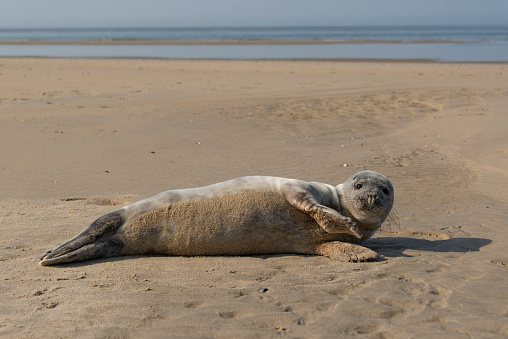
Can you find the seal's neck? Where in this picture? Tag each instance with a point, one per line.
(342, 199)
(340, 190)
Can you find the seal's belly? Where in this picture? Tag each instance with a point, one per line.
(253, 222)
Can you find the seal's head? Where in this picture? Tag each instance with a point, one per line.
(367, 197)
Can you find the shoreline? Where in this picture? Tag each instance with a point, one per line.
(267, 60)
(262, 50)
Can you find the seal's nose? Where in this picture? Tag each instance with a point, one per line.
(372, 196)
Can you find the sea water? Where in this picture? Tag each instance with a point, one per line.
(381, 33)
(441, 43)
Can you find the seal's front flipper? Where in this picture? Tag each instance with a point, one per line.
(343, 251)
(299, 195)
(103, 227)
(102, 248)
(333, 222)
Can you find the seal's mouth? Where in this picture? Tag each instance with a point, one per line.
(369, 202)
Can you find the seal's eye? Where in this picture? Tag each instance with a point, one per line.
(358, 186)
(386, 191)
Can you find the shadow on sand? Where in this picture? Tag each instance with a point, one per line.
(386, 247)
(395, 246)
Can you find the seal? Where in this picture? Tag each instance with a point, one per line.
(244, 216)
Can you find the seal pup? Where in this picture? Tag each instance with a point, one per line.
(243, 216)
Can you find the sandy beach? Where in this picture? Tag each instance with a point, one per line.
(83, 137)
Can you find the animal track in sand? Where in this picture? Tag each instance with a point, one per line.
(192, 304)
(49, 304)
(367, 329)
(432, 235)
(500, 262)
(342, 291)
(230, 314)
(101, 201)
(358, 111)
(37, 293)
(374, 310)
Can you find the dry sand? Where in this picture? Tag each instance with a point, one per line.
(79, 138)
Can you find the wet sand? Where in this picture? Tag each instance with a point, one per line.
(82, 137)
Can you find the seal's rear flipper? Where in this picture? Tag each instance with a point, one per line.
(102, 228)
(343, 251)
(102, 248)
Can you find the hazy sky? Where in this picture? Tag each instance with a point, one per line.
(178, 13)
